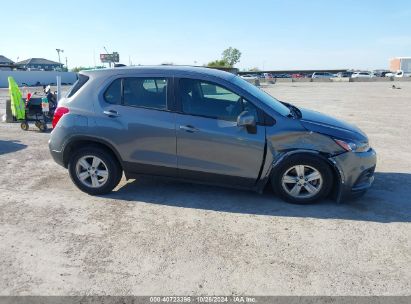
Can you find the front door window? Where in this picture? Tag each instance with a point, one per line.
(210, 100)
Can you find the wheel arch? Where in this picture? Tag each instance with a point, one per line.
(84, 141)
(337, 173)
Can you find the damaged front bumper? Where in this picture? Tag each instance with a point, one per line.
(356, 172)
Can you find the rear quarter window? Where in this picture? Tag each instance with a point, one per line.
(82, 79)
(113, 93)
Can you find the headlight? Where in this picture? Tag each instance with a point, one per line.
(353, 146)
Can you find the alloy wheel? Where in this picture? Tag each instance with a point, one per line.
(302, 181)
(91, 171)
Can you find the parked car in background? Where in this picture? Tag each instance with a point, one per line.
(297, 75)
(389, 74)
(401, 74)
(380, 73)
(321, 75)
(344, 74)
(282, 76)
(268, 75)
(249, 77)
(362, 75)
(207, 126)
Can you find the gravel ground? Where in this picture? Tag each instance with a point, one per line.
(153, 236)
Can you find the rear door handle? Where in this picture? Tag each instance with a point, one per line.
(111, 113)
(189, 128)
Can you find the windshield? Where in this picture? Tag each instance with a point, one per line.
(263, 96)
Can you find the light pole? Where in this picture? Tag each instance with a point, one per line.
(58, 53)
(66, 65)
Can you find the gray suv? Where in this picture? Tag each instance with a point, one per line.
(205, 126)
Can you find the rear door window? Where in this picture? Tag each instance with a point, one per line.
(145, 92)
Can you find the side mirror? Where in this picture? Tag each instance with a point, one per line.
(246, 119)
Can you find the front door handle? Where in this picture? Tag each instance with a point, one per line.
(189, 129)
(111, 113)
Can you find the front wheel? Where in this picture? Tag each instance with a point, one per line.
(302, 179)
(24, 126)
(94, 170)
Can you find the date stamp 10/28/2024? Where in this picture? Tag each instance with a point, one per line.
(203, 299)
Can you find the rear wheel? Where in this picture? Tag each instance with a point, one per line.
(94, 170)
(42, 126)
(302, 179)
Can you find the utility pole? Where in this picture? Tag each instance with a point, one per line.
(58, 53)
(66, 65)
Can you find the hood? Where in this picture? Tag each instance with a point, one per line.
(321, 123)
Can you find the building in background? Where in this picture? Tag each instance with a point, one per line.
(39, 64)
(5, 63)
(401, 64)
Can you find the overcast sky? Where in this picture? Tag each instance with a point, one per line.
(296, 34)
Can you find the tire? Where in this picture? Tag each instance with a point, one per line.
(315, 184)
(24, 126)
(109, 165)
(42, 126)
